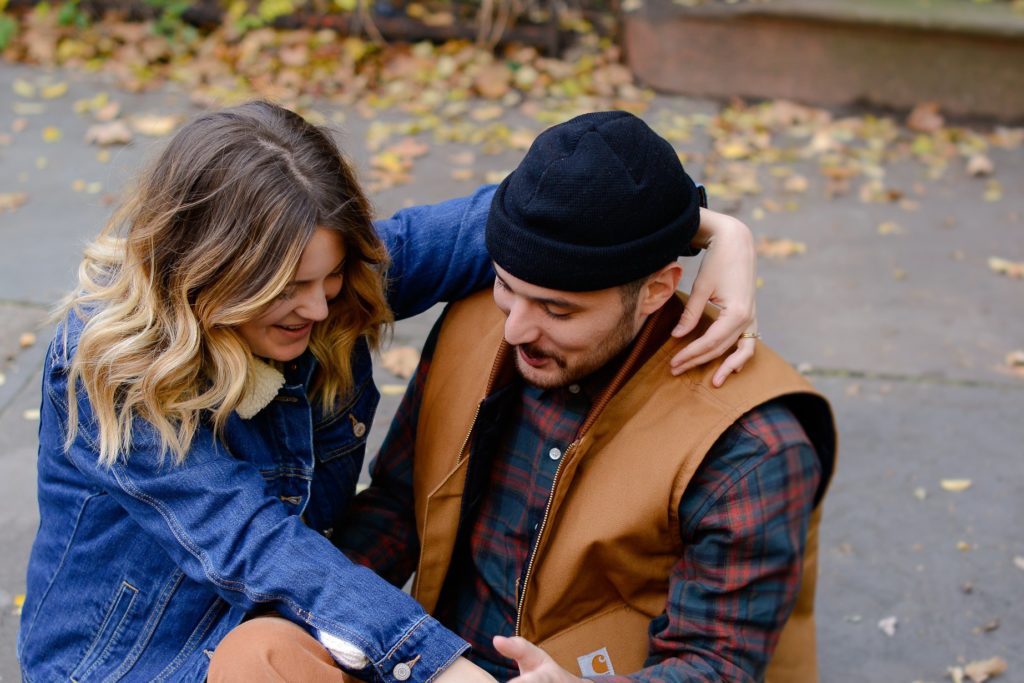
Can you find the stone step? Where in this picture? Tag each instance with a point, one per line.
(968, 57)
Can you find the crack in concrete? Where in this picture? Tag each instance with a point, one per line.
(908, 378)
(24, 303)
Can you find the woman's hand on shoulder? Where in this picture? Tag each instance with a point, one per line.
(727, 278)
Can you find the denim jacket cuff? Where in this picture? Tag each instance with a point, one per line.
(422, 654)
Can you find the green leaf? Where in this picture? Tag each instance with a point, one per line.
(8, 29)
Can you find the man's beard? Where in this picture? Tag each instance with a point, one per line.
(601, 352)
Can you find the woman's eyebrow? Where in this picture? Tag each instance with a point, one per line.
(341, 264)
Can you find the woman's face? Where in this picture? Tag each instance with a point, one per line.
(282, 331)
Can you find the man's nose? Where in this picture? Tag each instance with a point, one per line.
(520, 325)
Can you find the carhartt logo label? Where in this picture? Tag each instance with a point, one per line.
(597, 663)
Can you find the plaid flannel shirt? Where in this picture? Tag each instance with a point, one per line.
(743, 522)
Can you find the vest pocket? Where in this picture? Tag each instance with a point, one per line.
(110, 630)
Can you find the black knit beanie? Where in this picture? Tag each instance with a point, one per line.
(597, 202)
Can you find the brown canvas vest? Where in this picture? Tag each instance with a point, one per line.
(600, 569)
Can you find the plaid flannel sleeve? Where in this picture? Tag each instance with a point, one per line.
(379, 528)
(744, 523)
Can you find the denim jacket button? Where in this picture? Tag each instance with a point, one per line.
(402, 671)
(359, 429)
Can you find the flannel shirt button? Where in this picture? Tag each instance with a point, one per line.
(554, 454)
(402, 671)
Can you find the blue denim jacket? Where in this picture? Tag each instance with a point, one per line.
(139, 570)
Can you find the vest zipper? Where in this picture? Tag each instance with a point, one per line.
(465, 442)
(488, 388)
(540, 532)
(602, 401)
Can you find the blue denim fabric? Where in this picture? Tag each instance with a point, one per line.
(139, 570)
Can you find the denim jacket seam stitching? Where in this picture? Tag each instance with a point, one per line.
(60, 566)
(405, 637)
(189, 646)
(182, 538)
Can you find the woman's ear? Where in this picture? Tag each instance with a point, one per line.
(659, 287)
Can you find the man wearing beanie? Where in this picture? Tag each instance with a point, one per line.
(547, 477)
(568, 506)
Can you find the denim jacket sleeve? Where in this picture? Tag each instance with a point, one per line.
(212, 517)
(437, 252)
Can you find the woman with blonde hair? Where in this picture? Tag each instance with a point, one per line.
(206, 400)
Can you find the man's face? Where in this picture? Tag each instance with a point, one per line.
(561, 337)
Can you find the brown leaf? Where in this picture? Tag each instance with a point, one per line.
(493, 81)
(9, 201)
(112, 133)
(982, 670)
(925, 118)
(795, 184)
(779, 248)
(987, 627)
(26, 340)
(401, 361)
(980, 165)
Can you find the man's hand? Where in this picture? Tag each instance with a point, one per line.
(727, 278)
(535, 666)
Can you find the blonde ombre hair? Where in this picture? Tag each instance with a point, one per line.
(210, 236)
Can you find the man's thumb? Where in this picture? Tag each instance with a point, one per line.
(528, 656)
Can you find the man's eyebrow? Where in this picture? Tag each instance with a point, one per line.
(546, 301)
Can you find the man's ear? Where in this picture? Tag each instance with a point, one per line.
(659, 287)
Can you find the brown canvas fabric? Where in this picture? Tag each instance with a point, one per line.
(601, 567)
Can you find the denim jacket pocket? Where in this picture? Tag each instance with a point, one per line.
(345, 430)
(114, 624)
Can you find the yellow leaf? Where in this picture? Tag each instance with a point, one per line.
(23, 88)
(487, 113)
(52, 134)
(889, 228)
(388, 161)
(52, 92)
(993, 191)
(955, 485)
(18, 602)
(155, 125)
(392, 389)
(462, 174)
(735, 149)
(32, 414)
(1001, 266)
(26, 340)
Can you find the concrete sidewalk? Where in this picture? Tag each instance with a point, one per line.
(906, 333)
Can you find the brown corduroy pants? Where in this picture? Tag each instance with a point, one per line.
(271, 649)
